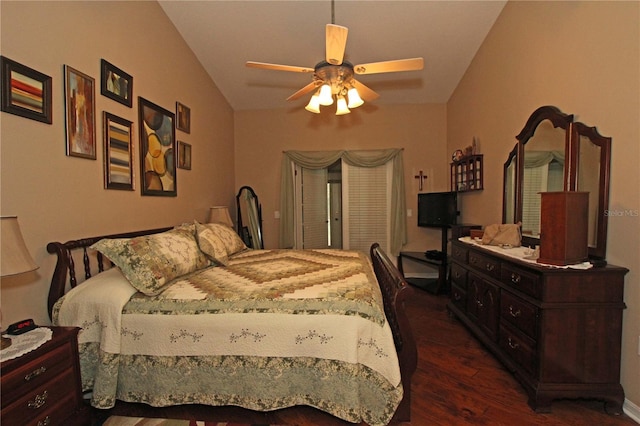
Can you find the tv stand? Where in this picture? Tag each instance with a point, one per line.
(441, 284)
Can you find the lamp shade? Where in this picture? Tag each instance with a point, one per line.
(341, 108)
(314, 104)
(15, 258)
(220, 214)
(354, 98)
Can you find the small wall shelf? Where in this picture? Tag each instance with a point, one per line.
(466, 174)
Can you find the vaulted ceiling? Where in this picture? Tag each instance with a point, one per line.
(226, 34)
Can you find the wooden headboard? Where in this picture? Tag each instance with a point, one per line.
(65, 264)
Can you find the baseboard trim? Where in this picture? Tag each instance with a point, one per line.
(631, 410)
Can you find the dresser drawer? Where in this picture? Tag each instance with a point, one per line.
(520, 314)
(50, 403)
(519, 347)
(35, 373)
(485, 264)
(459, 275)
(521, 280)
(458, 297)
(459, 253)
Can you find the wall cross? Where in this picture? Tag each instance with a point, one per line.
(422, 178)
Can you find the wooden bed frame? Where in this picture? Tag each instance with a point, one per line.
(393, 286)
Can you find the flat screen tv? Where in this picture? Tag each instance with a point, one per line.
(437, 209)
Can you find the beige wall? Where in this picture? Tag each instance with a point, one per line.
(582, 57)
(261, 136)
(61, 198)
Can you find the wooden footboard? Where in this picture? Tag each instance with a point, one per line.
(65, 265)
(394, 292)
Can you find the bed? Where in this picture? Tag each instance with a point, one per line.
(218, 324)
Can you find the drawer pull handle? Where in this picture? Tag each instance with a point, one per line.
(479, 303)
(513, 313)
(513, 345)
(38, 401)
(515, 278)
(456, 296)
(457, 274)
(35, 373)
(490, 266)
(45, 422)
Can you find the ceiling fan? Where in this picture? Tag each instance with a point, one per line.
(335, 77)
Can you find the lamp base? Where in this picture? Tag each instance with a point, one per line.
(6, 342)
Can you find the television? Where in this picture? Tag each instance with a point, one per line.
(437, 209)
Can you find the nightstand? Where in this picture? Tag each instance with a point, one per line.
(43, 387)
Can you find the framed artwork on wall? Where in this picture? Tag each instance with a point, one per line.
(115, 83)
(157, 149)
(25, 91)
(184, 117)
(80, 110)
(118, 152)
(184, 155)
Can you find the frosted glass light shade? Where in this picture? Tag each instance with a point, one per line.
(325, 95)
(314, 104)
(342, 108)
(354, 98)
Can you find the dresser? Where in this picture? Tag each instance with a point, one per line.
(43, 386)
(557, 330)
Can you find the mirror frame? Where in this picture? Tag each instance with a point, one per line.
(573, 132)
(239, 212)
(512, 158)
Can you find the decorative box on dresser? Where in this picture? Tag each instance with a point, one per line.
(42, 387)
(558, 330)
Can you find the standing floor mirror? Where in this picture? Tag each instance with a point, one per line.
(249, 218)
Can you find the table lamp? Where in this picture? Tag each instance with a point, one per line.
(14, 256)
(220, 214)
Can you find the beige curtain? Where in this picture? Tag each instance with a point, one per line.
(363, 158)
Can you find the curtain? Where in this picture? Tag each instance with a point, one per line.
(361, 158)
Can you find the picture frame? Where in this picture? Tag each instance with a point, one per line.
(183, 114)
(118, 152)
(157, 149)
(80, 107)
(115, 83)
(25, 91)
(184, 155)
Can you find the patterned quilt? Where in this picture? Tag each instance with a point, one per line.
(274, 328)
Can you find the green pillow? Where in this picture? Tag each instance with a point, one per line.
(150, 262)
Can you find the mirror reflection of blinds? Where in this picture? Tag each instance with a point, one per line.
(367, 206)
(314, 208)
(546, 178)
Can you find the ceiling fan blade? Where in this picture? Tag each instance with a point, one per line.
(336, 43)
(276, 67)
(306, 89)
(413, 64)
(364, 92)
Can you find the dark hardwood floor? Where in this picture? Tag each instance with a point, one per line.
(457, 383)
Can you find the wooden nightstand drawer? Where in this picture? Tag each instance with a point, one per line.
(36, 372)
(42, 387)
(54, 400)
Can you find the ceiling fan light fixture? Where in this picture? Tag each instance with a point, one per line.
(325, 97)
(354, 98)
(314, 104)
(341, 107)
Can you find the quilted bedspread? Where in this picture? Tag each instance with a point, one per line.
(274, 328)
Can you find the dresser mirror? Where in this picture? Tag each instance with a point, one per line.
(249, 218)
(509, 194)
(555, 154)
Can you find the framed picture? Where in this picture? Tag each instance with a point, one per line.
(115, 83)
(118, 152)
(80, 108)
(184, 155)
(157, 149)
(184, 117)
(25, 91)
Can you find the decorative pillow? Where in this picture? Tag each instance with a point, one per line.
(212, 245)
(151, 261)
(232, 241)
